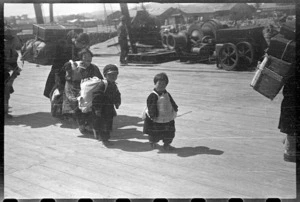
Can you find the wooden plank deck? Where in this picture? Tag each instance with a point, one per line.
(227, 141)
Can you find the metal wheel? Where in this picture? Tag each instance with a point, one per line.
(228, 56)
(245, 53)
(164, 38)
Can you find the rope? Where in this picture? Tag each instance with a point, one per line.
(288, 43)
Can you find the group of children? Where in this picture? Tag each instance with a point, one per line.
(158, 116)
(65, 80)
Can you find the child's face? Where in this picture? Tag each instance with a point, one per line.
(161, 85)
(86, 59)
(112, 76)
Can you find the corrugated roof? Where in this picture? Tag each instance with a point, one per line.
(265, 6)
(156, 11)
(88, 20)
(74, 20)
(226, 7)
(199, 8)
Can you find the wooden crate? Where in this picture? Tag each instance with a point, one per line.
(288, 30)
(267, 83)
(279, 66)
(282, 48)
(53, 32)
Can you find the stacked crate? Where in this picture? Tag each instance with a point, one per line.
(53, 32)
(277, 65)
(41, 50)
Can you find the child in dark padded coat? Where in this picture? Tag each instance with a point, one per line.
(160, 113)
(104, 103)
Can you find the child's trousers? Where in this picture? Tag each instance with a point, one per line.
(162, 131)
(102, 127)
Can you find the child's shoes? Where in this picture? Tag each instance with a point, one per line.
(168, 147)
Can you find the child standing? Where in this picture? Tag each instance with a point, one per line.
(104, 103)
(160, 113)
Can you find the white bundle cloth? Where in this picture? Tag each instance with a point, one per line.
(88, 88)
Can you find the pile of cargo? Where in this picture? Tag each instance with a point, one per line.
(197, 43)
(41, 50)
(278, 64)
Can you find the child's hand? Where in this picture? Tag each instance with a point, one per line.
(117, 105)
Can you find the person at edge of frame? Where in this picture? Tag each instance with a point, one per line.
(289, 122)
(11, 69)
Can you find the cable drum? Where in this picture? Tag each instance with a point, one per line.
(177, 40)
(195, 32)
(210, 27)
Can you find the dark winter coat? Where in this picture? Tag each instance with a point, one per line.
(72, 87)
(64, 53)
(105, 103)
(289, 122)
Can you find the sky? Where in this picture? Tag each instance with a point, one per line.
(13, 9)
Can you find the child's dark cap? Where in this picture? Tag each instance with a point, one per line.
(110, 69)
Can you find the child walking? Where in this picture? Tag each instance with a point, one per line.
(104, 103)
(160, 113)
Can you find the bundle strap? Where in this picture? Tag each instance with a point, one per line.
(286, 46)
(106, 84)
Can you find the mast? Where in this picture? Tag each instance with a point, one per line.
(38, 13)
(125, 13)
(51, 12)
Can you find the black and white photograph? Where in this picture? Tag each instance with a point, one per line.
(150, 100)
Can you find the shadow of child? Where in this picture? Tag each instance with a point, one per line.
(192, 151)
(131, 146)
(34, 120)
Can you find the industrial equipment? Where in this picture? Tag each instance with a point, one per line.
(233, 48)
(240, 47)
(197, 43)
(144, 33)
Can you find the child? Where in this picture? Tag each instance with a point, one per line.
(11, 68)
(104, 103)
(161, 111)
(71, 87)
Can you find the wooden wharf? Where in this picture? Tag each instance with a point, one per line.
(228, 144)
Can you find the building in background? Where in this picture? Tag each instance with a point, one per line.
(84, 22)
(275, 9)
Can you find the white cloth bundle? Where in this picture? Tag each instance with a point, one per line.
(88, 88)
